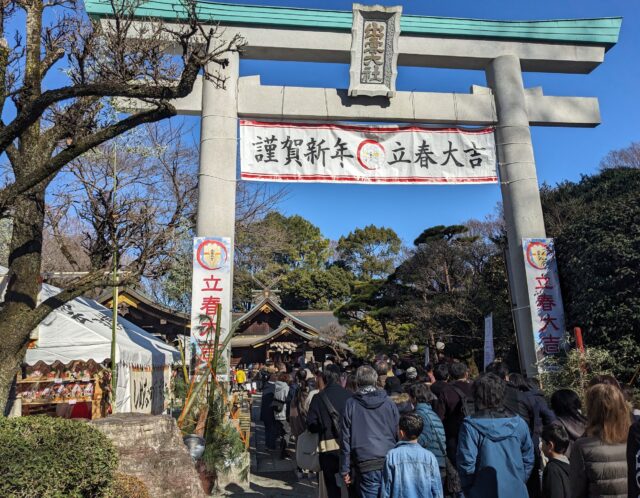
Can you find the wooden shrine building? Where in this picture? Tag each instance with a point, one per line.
(153, 317)
(269, 333)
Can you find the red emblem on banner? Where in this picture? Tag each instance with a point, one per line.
(211, 255)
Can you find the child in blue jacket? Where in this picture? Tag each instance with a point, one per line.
(410, 471)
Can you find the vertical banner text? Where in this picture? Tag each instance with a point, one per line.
(211, 287)
(545, 299)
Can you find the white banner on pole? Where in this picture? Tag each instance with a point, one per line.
(326, 152)
(211, 286)
(489, 354)
(545, 299)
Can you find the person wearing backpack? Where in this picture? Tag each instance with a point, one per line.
(456, 402)
(323, 418)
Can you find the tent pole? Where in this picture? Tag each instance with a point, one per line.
(114, 301)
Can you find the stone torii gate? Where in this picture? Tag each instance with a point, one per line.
(503, 49)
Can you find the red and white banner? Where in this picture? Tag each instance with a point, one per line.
(211, 287)
(325, 152)
(545, 299)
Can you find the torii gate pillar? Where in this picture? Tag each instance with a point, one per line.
(218, 150)
(520, 193)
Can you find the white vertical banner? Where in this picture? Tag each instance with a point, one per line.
(211, 287)
(545, 299)
(489, 354)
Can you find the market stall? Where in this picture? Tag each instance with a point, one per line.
(67, 366)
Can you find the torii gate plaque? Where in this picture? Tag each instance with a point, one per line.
(503, 49)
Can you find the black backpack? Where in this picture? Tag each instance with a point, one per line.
(466, 403)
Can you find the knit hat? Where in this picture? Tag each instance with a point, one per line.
(411, 373)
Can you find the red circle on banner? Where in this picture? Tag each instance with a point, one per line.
(371, 145)
(538, 255)
(211, 254)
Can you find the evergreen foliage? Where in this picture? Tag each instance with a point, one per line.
(46, 457)
(575, 369)
(369, 252)
(596, 224)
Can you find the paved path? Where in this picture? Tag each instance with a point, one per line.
(270, 476)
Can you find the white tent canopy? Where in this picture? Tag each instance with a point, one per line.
(81, 330)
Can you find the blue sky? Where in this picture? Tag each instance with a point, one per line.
(561, 153)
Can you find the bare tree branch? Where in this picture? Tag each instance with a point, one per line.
(8, 194)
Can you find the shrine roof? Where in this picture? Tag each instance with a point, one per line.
(258, 340)
(267, 301)
(317, 319)
(284, 328)
(136, 298)
(597, 31)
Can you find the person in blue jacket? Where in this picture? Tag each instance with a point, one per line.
(410, 471)
(495, 453)
(432, 437)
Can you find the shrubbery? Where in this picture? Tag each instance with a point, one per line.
(574, 370)
(44, 457)
(128, 486)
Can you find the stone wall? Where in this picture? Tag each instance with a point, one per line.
(150, 447)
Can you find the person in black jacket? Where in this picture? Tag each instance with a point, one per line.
(555, 478)
(441, 374)
(567, 406)
(266, 413)
(453, 407)
(540, 415)
(547, 416)
(633, 461)
(319, 421)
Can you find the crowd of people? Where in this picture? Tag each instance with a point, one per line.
(390, 429)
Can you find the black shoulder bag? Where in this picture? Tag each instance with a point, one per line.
(333, 413)
(452, 484)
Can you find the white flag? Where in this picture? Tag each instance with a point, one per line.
(489, 354)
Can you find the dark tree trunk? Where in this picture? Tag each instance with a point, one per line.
(21, 296)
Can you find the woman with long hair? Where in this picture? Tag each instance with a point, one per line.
(598, 460)
(351, 383)
(298, 410)
(567, 406)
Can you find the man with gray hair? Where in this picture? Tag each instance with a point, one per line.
(369, 431)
